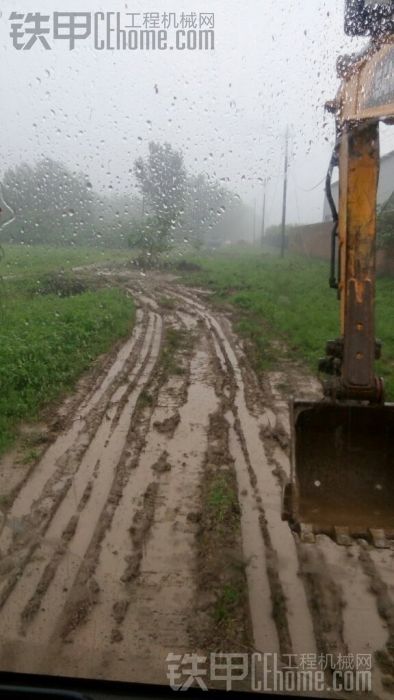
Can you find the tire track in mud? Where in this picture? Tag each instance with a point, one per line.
(85, 495)
(348, 587)
(342, 604)
(70, 444)
(161, 596)
(265, 638)
(341, 611)
(146, 566)
(288, 599)
(363, 631)
(109, 556)
(99, 464)
(40, 497)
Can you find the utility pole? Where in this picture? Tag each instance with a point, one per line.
(254, 223)
(284, 203)
(263, 219)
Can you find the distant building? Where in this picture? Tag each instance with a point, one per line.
(385, 189)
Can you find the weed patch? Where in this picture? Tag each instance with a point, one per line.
(288, 301)
(60, 284)
(46, 342)
(227, 602)
(222, 499)
(175, 341)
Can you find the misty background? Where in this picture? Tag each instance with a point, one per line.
(226, 111)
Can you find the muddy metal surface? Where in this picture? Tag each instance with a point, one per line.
(150, 523)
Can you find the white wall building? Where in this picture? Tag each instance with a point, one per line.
(385, 189)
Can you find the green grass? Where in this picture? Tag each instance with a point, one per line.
(222, 499)
(176, 340)
(290, 300)
(145, 399)
(23, 260)
(167, 303)
(228, 600)
(47, 341)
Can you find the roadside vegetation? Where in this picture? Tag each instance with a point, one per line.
(25, 260)
(53, 324)
(287, 300)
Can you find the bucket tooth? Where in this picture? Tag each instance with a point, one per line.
(379, 538)
(306, 533)
(342, 536)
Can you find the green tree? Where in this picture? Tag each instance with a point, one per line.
(51, 204)
(161, 179)
(150, 238)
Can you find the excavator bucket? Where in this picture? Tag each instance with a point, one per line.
(342, 471)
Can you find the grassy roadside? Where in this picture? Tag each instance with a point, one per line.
(289, 300)
(49, 335)
(18, 260)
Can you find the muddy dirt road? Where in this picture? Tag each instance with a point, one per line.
(151, 521)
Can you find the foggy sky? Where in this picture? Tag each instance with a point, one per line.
(273, 66)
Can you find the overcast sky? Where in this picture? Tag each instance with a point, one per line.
(227, 109)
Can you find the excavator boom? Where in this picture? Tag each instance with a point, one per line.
(342, 478)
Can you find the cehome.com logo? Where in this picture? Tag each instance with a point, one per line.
(304, 673)
(114, 31)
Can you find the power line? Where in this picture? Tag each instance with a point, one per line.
(310, 189)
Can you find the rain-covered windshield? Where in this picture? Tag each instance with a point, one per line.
(187, 497)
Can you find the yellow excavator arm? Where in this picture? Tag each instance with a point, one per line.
(342, 470)
(365, 98)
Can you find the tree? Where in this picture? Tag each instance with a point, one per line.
(114, 217)
(194, 208)
(150, 238)
(205, 204)
(51, 204)
(161, 178)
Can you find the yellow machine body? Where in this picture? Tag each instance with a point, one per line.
(342, 471)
